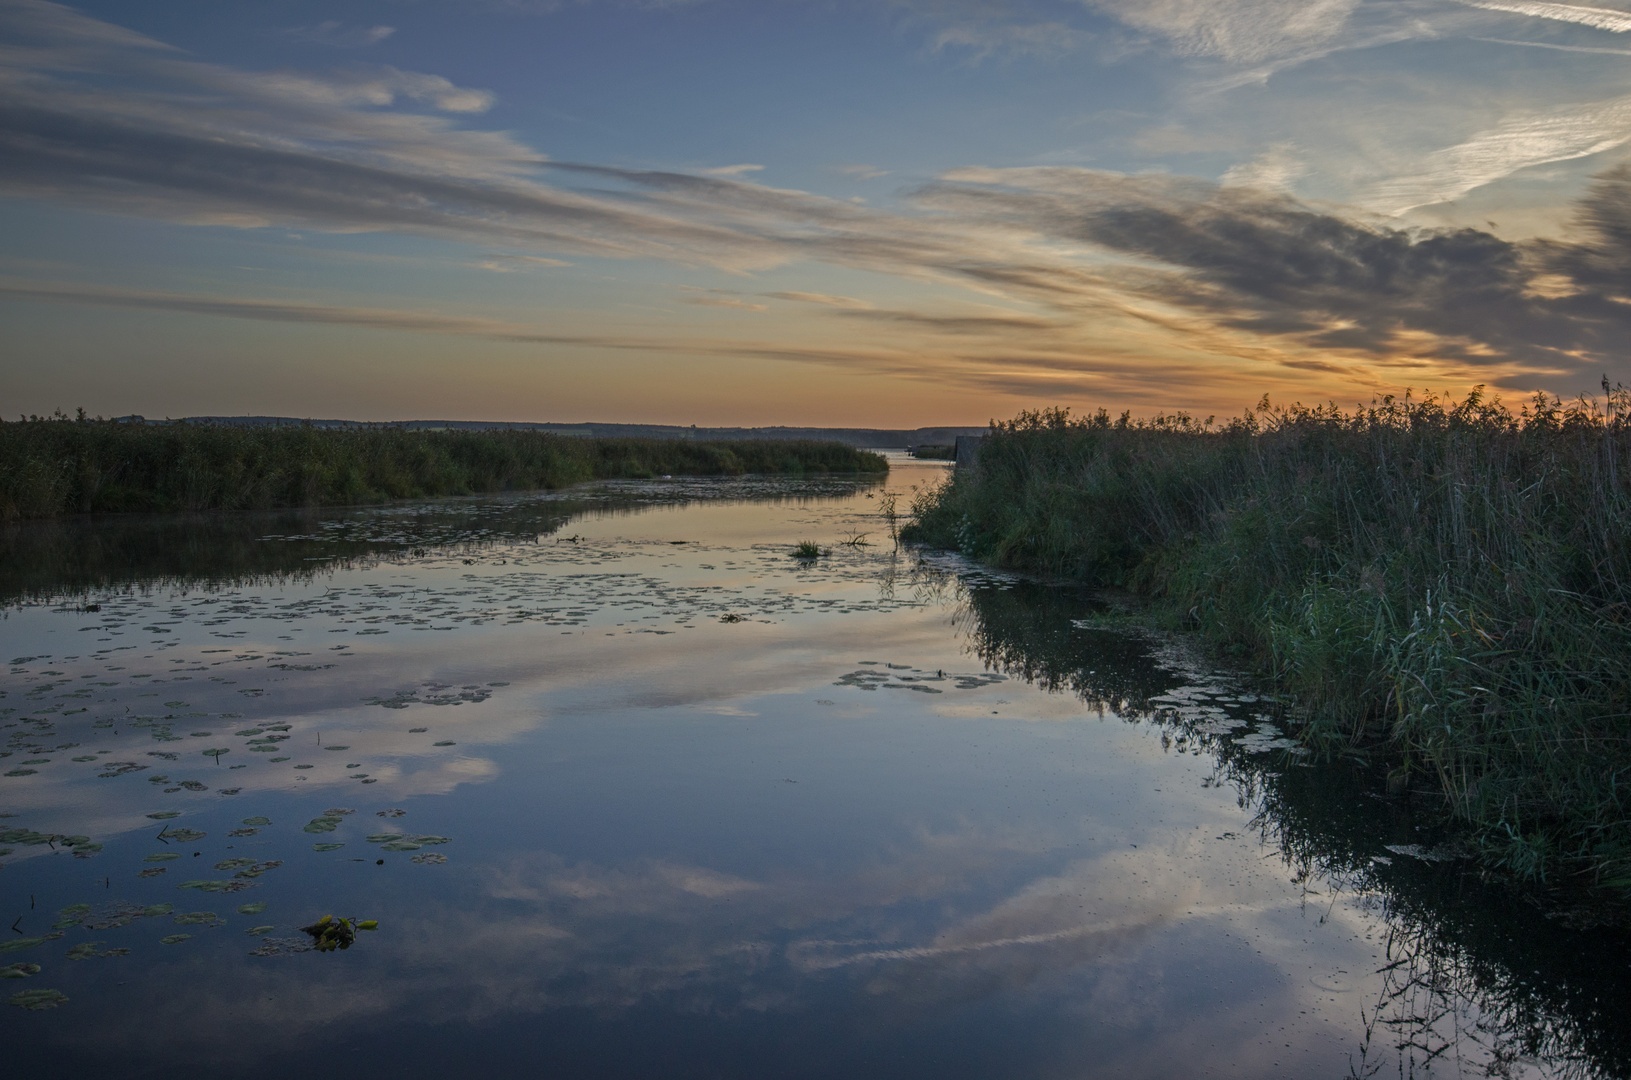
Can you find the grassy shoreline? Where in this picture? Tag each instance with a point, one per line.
(52, 467)
(1446, 585)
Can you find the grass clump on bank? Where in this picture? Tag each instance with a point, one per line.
(1445, 582)
(58, 465)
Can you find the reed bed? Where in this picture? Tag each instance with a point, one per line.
(1445, 584)
(61, 465)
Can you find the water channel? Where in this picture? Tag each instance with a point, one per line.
(633, 792)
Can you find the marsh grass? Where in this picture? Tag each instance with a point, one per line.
(808, 549)
(1443, 585)
(58, 465)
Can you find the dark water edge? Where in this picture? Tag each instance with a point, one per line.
(1548, 991)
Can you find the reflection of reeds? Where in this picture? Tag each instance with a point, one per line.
(1448, 583)
(50, 467)
(1467, 969)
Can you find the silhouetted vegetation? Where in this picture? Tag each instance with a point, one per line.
(58, 465)
(1444, 585)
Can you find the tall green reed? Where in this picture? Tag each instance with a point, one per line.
(1448, 583)
(63, 465)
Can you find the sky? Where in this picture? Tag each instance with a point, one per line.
(811, 212)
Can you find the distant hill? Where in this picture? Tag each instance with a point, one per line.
(870, 438)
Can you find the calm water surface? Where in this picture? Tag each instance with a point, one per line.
(632, 792)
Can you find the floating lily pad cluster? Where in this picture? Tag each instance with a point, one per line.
(329, 933)
(81, 846)
(35, 1000)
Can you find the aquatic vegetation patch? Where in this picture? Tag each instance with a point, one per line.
(18, 970)
(36, 1000)
(257, 821)
(164, 815)
(162, 856)
(259, 931)
(252, 909)
(183, 835)
(330, 933)
(175, 939)
(324, 824)
(18, 944)
(217, 886)
(198, 918)
(327, 847)
(431, 858)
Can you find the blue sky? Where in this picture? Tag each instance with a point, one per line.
(807, 211)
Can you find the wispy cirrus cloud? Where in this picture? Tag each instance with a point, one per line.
(337, 35)
(1596, 17)
(1524, 140)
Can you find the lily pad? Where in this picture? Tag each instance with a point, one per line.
(85, 950)
(216, 886)
(19, 971)
(336, 748)
(322, 824)
(156, 910)
(15, 944)
(35, 1000)
(429, 858)
(257, 821)
(252, 909)
(337, 811)
(75, 910)
(401, 844)
(432, 839)
(217, 752)
(234, 864)
(186, 836)
(250, 731)
(417, 730)
(302, 766)
(327, 847)
(445, 742)
(244, 832)
(164, 815)
(393, 812)
(22, 772)
(86, 757)
(162, 856)
(174, 939)
(198, 918)
(257, 931)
